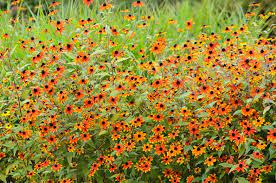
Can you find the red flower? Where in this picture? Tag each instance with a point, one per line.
(56, 167)
(119, 148)
(69, 109)
(272, 135)
(241, 166)
(138, 4)
(36, 91)
(88, 2)
(85, 137)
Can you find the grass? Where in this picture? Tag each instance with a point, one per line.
(212, 13)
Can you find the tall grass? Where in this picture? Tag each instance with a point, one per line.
(215, 14)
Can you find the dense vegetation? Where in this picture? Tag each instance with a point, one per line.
(95, 91)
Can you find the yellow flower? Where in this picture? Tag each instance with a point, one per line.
(261, 145)
(139, 136)
(197, 170)
(198, 151)
(147, 147)
(210, 161)
(7, 113)
(258, 122)
(180, 160)
(8, 126)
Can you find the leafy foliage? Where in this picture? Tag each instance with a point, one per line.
(94, 92)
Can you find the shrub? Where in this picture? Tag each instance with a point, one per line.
(126, 96)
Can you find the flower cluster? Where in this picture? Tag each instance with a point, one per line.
(95, 101)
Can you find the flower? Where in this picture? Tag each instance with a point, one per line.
(105, 6)
(198, 150)
(69, 109)
(241, 166)
(139, 136)
(56, 167)
(138, 4)
(88, 2)
(119, 148)
(247, 111)
(210, 161)
(5, 114)
(272, 135)
(189, 24)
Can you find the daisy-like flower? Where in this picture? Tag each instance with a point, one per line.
(139, 136)
(241, 166)
(272, 135)
(210, 161)
(189, 24)
(138, 4)
(56, 167)
(198, 150)
(88, 2)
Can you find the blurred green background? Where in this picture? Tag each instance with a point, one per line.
(232, 6)
(266, 4)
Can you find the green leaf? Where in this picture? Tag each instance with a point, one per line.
(3, 178)
(228, 165)
(268, 101)
(272, 153)
(249, 100)
(266, 109)
(242, 180)
(121, 59)
(115, 175)
(233, 168)
(184, 95)
(69, 158)
(103, 132)
(241, 150)
(237, 112)
(98, 52)
(11, 166)
(187, 148)
(211, 104)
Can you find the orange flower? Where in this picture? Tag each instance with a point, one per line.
(272, 135)
(241, 166)
(113, 100)
(247, 111)
(138, 4)
(198, 150)
(177, 83)
(189, 24)
(2, 155)
(25, 134)
(52, 139)
(105, 6)
(157, 83)
(69, 109)
(129, 17)
(88, 2)
(85, 136)
(158, 117)
(117, 54)
(36, 91)
(119, 149)
(54, 4)
(210, 161)
(127, 165)
(158, 129)
(56, 167)
(139, 136)
(147, 147)
(160, 149)
(156, 49)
